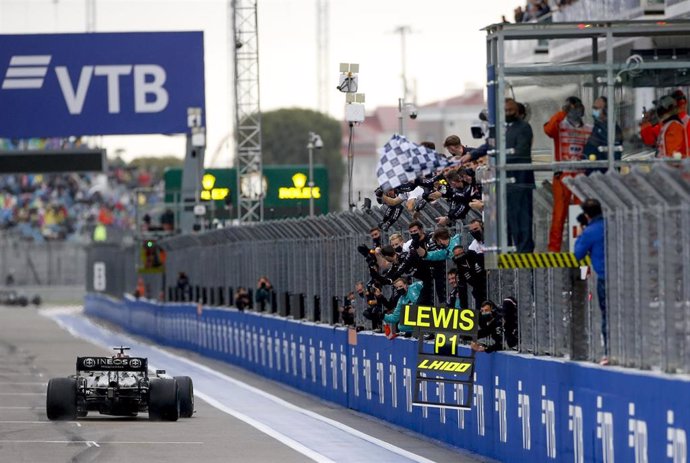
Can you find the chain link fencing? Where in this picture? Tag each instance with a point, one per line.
(51, 263)
(313, 263)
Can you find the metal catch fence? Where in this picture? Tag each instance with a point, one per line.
(313, 263)
(43, 264)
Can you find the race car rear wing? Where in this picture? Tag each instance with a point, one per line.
(112, 364)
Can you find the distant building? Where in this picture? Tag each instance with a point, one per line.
(435, 121)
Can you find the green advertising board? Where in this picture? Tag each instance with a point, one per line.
(287, 191)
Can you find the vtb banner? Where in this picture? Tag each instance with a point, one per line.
(56, 85)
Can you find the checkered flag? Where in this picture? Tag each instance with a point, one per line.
(401, 161)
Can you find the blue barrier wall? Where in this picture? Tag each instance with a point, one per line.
(525, 409)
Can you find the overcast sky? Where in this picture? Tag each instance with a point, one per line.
(445, 52)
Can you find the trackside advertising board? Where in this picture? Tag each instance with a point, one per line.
(524, 408)
(56, 85)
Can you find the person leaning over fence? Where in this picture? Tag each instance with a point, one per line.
(408, 295)
(498, 325)
(592, 242)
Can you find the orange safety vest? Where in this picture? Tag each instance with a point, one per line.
(672, 139)
(569, 140)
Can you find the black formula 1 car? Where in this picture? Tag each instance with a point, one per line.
(121, 386)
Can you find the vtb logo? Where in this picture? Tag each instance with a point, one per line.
(29, 72)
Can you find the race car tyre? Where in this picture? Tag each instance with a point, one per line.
(61, 399)
(164, 402)
(186, 390)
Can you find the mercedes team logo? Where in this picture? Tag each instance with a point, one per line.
(135, 363)
(89, 363)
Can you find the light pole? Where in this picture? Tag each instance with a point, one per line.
(314, 142)
(405, 108)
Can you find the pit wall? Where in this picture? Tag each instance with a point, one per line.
(525, 409)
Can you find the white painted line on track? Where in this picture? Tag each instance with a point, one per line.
(20, 408)
(22, 393)
(90, 443)
(38, 422)
(35, 383)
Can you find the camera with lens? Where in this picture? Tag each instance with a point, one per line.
(369, 255)
(413, 114)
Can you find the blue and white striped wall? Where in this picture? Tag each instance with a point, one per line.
(526, 409)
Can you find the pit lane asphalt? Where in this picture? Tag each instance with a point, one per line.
(34, 349)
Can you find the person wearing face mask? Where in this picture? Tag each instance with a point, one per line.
(600, 134)
(476, 228)
(490, 327)
(570, 134)
(519, 138)
(407, 295)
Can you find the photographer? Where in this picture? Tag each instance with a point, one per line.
(263, 292)
(377, 305)
(347, 311)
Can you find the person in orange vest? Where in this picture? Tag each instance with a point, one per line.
(570, 135)
(682, 102)
(650, 127)
(672, 142)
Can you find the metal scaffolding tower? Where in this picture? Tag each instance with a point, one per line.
(322, 54)
(250, 188)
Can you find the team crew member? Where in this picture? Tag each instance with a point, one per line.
(570, 135)
(408, 295)
(672, 142)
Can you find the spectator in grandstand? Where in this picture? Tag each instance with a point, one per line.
(518, 14)
(407, 295)
(263, 292)
(242, 299)
(600, 134)
(535, 10)
(519, 198)
(672, 141)
(570, 134)
(592, 242)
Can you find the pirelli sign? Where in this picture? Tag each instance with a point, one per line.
(439, 361)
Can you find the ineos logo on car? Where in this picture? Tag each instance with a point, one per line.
(89, 363)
